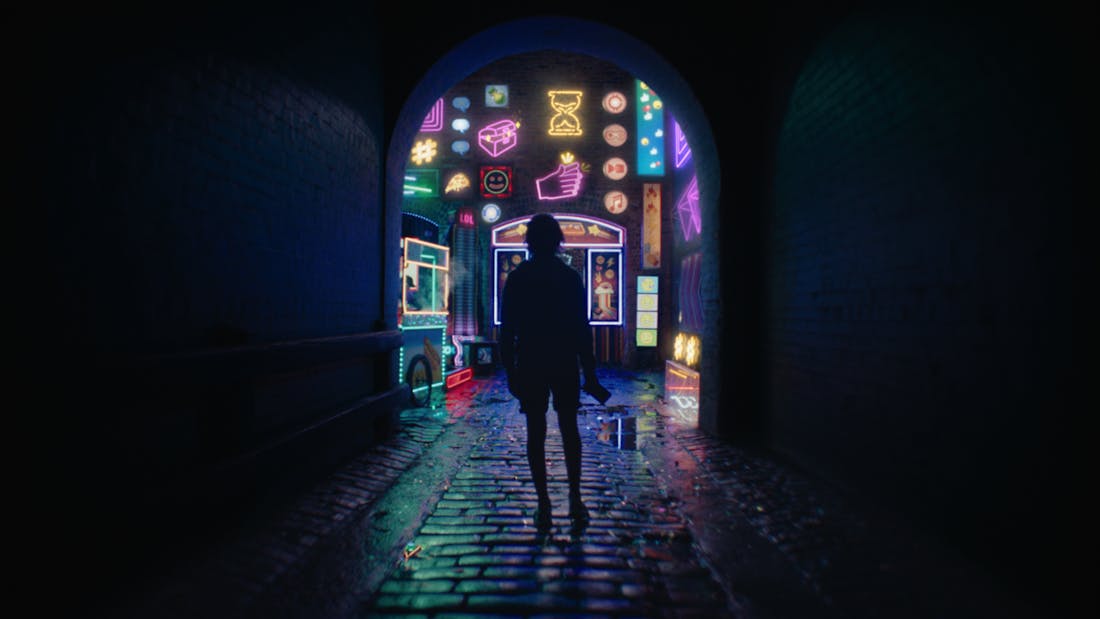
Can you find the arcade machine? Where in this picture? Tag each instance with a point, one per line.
(425, 270)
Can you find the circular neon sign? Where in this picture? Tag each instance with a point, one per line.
(490, 213)
(615, 202)
(615, 135)
(614, 102)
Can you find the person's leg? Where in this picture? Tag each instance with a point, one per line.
(566, 403)
(571, 444)
(534, 407)
(536, 453)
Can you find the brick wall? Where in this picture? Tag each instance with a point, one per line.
(919, 249)
(214, 257)
(218, 203)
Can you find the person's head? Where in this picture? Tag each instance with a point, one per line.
(544, 235)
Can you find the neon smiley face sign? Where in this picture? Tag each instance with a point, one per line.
(496, 181)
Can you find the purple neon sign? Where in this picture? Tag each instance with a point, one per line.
(498, 137)
(683, 151)
(562, 183)
(687, 207)
(433, 122)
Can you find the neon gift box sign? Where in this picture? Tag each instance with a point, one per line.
(497, 138)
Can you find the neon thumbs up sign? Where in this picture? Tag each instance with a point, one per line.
(562, 183)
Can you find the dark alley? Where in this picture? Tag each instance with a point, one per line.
(823, 255)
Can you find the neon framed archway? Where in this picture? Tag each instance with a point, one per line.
(632, 55)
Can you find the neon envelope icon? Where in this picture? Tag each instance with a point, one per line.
(497, 138)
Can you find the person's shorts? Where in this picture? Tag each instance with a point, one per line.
(538, 387)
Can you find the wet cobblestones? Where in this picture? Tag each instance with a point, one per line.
(681, 525)
(481, 552)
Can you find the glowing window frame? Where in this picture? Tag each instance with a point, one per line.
(446, 275)
(496, 277)
(603, 223)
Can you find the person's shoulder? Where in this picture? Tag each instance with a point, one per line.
(520, 273)
(521, 269)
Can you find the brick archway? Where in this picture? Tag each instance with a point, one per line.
(612, 45)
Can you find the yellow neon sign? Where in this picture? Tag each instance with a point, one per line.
(424, 151)
(458, 182)
(565, 103)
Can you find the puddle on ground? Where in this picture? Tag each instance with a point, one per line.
(626, 430)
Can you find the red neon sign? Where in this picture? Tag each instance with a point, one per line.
(459, 377)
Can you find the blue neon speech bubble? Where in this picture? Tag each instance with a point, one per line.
(460, 125)
(461, 104)
(460, 146)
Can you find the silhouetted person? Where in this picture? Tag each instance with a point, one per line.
(413, 300)
(544, 335)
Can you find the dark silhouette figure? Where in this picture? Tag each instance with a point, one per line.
(412, 295)
(544, 333)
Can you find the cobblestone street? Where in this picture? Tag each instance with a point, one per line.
(438, 522)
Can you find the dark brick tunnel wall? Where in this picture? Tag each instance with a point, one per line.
(216, 250)
(920, 264)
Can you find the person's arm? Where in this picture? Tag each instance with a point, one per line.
(592, 384)
(511, 310)
(508, 326)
